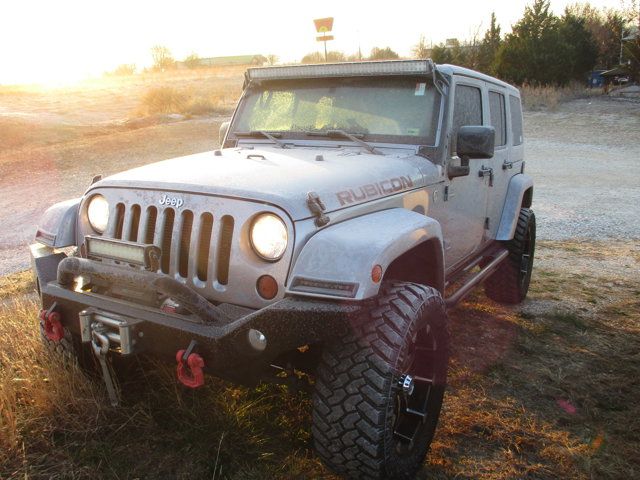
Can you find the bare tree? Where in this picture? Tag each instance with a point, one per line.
(420, 50)
(272, 59)
(162, 58)
(192, 61)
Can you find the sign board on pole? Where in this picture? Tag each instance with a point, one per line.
(324, 25)
(324, 38)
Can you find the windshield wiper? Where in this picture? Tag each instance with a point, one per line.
(255, 133)
(351, 136)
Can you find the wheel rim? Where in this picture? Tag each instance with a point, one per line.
(411, 408)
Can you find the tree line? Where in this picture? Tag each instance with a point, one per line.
(542, 48)
(547, 49)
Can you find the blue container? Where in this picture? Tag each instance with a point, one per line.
(596, 80)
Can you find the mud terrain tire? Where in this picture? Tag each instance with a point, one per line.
(358, 401)
(69, 351)
(510, 283)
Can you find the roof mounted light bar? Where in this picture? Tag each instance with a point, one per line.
(347, 69)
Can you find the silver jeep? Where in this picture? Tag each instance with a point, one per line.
(348, 207)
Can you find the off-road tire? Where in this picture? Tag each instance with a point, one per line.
(69, 351)
(510, 284)
(356, 392)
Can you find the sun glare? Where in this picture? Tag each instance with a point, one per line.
(62, 42)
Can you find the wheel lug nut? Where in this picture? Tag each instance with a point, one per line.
(406, 384)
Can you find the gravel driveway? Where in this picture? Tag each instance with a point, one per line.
(585, 159)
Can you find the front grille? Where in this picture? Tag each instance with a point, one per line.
(188, 240)
(204, 242)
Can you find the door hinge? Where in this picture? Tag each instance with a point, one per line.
(486, 223)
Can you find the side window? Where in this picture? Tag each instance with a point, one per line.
(498, 117)
(467, 110)
(516, 119)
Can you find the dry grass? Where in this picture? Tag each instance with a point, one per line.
(549, 97)
(168, 100)
(548, 390)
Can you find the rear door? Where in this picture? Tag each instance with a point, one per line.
(505, 115)
(498, 181)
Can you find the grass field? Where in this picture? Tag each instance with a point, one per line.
(546, 390)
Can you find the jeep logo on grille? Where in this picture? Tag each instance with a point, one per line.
(167, 201)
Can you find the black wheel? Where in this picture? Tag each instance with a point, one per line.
(510, 283)
(379, 389)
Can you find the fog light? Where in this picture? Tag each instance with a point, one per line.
(257, 339)
(267, 287)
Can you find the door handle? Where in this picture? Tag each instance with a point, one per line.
(484, 171)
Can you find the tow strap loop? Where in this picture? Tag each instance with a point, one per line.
(51, 325)
(190, 372)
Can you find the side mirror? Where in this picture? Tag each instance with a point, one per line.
(476, 142)
(224, 128)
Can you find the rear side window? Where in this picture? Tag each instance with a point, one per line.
(516, 119)
(467, 110)
(498, 117)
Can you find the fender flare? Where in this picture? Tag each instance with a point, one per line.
(337, 261)
(57, 227)
(518, 186)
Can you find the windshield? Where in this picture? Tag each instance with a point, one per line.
(383, 109)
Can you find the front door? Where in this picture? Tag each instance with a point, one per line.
(465, 207)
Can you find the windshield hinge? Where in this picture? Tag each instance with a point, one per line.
(317, 207)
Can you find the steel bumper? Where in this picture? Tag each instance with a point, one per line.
(222, 341)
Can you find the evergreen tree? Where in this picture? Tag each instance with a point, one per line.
(441, 54)
(581, 48)
(383, 54)
(489, 47)
(544, 49)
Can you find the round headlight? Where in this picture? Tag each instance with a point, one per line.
(269, 236)
(98, 213)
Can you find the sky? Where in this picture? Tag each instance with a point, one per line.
(57, 41)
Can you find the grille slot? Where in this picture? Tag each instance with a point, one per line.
(224, 249)
(185, 240)
(152, 217)
(119, 221)
(204, 245)
(135, 223)
(165, 245)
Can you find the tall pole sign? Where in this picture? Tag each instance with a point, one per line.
(324, 27)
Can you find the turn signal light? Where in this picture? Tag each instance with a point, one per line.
(376, 274)
(267, 287)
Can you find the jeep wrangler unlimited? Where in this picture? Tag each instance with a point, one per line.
(348, 207)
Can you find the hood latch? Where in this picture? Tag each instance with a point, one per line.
(317, 208)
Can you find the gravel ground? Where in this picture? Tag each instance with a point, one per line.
(584, 158)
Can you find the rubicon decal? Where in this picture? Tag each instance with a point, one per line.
(373, 190)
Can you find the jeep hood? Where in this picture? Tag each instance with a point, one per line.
(342, 177)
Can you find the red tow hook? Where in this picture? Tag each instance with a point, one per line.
(190, 366)
(51, 324)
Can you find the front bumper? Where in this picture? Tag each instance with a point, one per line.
(223, 343)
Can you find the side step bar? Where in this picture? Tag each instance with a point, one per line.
(496, 259)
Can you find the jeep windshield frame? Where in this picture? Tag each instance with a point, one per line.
(405, 110)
